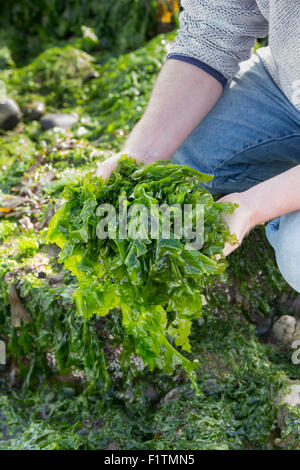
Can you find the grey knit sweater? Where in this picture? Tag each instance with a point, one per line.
(216, 35)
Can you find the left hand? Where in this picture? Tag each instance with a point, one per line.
(241, 221)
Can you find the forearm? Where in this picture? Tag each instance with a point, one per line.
(182, 96)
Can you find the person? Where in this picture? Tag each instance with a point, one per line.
(225, 112)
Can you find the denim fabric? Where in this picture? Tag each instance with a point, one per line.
(252, 134)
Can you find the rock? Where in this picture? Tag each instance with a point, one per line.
(296, 306)
(284, 298)
(171, 395)
(6, 60)
(47, 217)
(61, 120)
(288, 402)
(285, 329)
(15, 205)
(212, 387)
(26, 223)
(151, 393)
(289, 397)
(90, 39)
(10, 114)
(9, 277)
(90, 76)
(113, 445)
(56, 279)
(263, 326)
(34, 110)
(51, 250)
(17, 311)
(44, 412)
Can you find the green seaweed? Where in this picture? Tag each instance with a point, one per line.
(129, 273)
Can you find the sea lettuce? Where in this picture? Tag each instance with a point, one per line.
(158, 284)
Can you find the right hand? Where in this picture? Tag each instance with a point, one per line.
(105, 168)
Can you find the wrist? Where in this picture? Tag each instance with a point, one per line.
(243, 219)
(147, 143)
(255, 206)
(248, 209)
(143, 156)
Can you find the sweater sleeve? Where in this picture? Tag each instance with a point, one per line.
(216, 35)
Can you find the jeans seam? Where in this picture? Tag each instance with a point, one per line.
(258, 144)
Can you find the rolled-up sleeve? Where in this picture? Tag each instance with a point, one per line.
(216, 35)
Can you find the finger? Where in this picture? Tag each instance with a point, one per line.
(105, 169)
(228, 248)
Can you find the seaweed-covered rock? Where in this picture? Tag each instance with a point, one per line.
(56, 74)
(10, 114)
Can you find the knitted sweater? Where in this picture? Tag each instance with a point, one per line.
(216, 35)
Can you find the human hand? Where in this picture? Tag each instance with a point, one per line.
(105, 168)
(241, 221)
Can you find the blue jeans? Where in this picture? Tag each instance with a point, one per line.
(252, 134)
